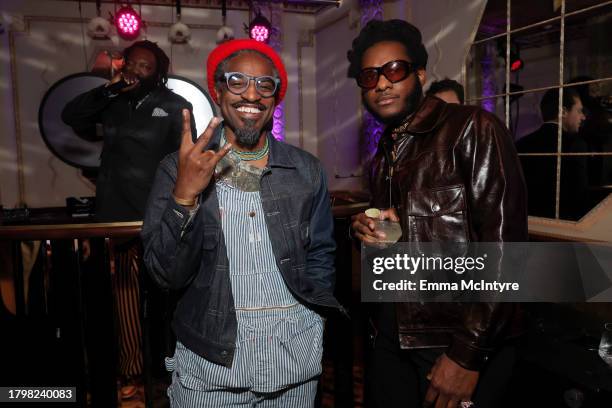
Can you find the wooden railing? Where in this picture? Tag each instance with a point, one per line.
(68, 231)
(69, 277)
(62, 252)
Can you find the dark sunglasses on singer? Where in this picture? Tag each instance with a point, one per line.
(394, 71)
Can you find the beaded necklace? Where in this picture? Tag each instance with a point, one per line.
(246, 155)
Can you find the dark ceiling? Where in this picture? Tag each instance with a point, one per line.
(524, 13)
(295, 6)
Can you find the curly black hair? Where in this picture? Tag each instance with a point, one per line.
(447, 84)
(391, 30)
(163, 62)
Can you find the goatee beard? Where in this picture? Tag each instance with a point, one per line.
(248, 135)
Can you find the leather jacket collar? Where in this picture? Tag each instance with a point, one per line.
(430, 114)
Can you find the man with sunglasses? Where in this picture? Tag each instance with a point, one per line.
(242, 224)
(448, 173)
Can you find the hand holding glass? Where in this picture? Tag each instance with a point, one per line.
(383, 223)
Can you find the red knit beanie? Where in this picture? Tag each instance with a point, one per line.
(225, 49)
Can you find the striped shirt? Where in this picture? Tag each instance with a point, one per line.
(279, 340)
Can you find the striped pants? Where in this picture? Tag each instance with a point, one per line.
(296, 396)
(127, 295)
(277, 363)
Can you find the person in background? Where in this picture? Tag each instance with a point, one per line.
(596, 130)
(541, 171)
(140, 122)
(449, 90)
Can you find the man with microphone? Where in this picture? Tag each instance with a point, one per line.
(140, 121)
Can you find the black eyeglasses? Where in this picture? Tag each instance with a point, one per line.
(394, 71)
(237, 83)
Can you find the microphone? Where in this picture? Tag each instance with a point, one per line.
(114, 89)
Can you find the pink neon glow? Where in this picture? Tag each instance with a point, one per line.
(278, 127)
(128, 22)
(260, 33)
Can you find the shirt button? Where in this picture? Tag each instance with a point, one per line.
(435, 207)
(224, 353)
(252, 214)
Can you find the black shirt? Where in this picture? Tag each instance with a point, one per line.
(139, 130)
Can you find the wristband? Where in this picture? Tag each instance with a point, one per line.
(183, 202)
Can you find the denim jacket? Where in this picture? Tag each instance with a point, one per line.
(183, 251)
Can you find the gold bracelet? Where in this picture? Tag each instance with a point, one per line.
(183, 202)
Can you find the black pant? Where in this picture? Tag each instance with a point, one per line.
(397, 378)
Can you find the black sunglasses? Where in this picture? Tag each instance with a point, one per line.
(394, 71)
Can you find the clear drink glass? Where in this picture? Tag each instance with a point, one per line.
(391, 229)
(605, 345)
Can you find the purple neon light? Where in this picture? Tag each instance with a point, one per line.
(487, 64)
(372, 129)
(279, 122)
(260, 33)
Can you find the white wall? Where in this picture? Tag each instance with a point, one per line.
(49, 46)
(338, 100)
(300, 103)
(447, 27)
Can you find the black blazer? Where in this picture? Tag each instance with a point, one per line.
(137, 135)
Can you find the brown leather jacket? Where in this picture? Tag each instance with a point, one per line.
(456, 178)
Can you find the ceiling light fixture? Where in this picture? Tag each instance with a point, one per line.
(260, 28)
(128, 23)
(98, 27)
(179, 32)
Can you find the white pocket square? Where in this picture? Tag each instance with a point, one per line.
(159, 112)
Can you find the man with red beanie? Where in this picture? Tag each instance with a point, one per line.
(242, 224)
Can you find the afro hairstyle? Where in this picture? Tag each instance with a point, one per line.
(377, 31)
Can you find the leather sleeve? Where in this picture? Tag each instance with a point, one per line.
(497, 206)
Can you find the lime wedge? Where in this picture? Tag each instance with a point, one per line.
(373, 213)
